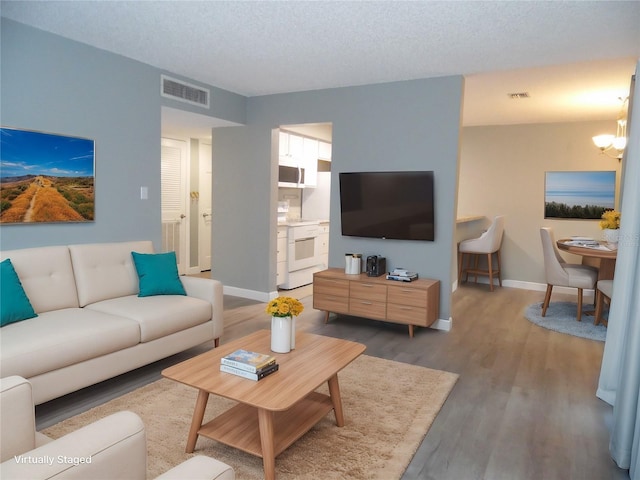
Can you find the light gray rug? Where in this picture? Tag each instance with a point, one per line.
(561, 317)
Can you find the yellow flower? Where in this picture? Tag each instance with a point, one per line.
(610, 219)
(284, 307)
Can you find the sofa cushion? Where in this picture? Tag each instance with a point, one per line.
(14, 303)
(60, 338)
(46, 275)
(157, 274)
(159, 315)
(106, 270)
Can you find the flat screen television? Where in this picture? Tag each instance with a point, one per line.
(392, 205)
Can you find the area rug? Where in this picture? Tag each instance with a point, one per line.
(561, 317)
(389, 407)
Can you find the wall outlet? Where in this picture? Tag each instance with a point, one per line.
(144, 193)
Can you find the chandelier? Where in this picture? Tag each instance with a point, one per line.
(613, 145)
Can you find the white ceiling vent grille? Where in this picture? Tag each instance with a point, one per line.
(184, 92)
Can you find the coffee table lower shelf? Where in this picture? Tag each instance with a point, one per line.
(239, 426)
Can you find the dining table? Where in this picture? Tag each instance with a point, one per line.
(599, 254)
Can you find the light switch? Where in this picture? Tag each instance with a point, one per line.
(144, 193)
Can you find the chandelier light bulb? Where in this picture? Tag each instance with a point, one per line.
(619, 143)
(603, 141)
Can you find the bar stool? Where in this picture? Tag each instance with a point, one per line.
(487, 244)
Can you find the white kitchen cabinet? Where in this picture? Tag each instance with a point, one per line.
(285, 152)
(283, 144)
(310, 161)
(324, 245)
(296, 146)
(298, 161)
(324, 150)
(290, 145)
(281, 256)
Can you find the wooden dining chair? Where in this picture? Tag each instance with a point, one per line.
(560, 273)
(604, 292)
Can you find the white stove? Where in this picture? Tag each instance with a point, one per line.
(303, 252)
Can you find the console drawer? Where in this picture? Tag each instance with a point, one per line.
(407, 314)
(403, 295)
(331, 286)
(368, 291)
(331, 303)
(366, 308)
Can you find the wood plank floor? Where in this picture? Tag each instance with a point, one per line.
(523, 408)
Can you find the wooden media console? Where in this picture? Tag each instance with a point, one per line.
(413, 303)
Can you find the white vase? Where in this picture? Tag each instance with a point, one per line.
(281, 334)
(611, 235)
(293, 333)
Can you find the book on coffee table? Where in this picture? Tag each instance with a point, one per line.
(247, 360)
(251, 376)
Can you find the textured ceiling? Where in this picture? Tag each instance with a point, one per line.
(574, 58)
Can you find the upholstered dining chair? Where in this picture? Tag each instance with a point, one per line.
(604, 292)
(562, 274)
(487, 244)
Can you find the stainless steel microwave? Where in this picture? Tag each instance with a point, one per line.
(290, 176)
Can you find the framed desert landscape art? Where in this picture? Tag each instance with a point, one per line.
(45, 178)
(579, 195)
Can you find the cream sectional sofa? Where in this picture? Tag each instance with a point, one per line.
(91, 323)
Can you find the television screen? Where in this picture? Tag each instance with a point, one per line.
(393, 205)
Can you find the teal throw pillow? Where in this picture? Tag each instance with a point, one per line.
(14, 303)
(157, 274)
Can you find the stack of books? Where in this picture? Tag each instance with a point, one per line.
(402, 275)
(247, 364)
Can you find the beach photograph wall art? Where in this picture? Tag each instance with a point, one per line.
(579, 195)
(45, 177)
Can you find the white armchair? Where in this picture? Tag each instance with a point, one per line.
(111, 448)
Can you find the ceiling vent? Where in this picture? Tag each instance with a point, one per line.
(184, 92)
(516, 96)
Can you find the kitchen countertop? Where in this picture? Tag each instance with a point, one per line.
(469, 218)
(301, 223)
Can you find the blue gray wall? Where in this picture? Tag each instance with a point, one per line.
(411, 125)
(55, 85)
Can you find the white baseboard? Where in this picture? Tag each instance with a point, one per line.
(538, 287)
(250, 294)
(443, 324)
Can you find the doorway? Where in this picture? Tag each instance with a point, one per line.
(173, 171)
(205, 180)
(305, 200)
(193, 133)
(186, 179)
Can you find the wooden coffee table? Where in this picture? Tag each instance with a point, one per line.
(274, 412)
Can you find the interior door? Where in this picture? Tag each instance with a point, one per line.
(173, 199)
(204, 230)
